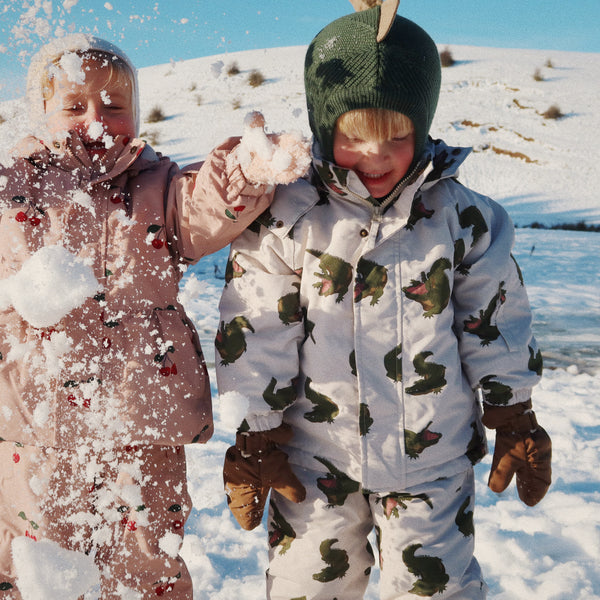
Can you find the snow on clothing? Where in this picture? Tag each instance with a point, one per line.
(120, 382)
(126, 507)
(367, 327)
(332, 557)
(126, 365)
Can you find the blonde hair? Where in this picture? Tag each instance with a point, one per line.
(374, 124)
(117, 71)
(44, 64)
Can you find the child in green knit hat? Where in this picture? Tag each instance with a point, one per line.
(368, 318)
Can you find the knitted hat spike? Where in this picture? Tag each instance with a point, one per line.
(389, 8)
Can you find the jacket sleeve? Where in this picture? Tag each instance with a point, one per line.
(210, 203)
(261, 328)
(493, 320)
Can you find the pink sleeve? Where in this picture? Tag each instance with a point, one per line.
(211, 203)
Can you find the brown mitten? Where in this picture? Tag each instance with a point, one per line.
(522, 447)
(253, 466)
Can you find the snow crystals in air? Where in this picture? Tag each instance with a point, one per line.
(70, 64)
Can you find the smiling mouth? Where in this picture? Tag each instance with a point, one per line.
(372, 176)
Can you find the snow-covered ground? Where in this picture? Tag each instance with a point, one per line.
(542, 171)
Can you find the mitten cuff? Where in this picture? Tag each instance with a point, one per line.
(516, 418)
(254, 443)
(264, 421)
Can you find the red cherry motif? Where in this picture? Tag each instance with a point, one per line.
(131, 525)
(23, 215)
(167, 366)
(116, 199)
(16, 457)
(30, 536)
(236, 211)
(73, 401)
(177, 525)
(157, 231)
(162, 589)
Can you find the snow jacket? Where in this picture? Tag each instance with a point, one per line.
(369, 328)
(125, 366)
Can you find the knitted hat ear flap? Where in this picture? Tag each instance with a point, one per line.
(346, 68)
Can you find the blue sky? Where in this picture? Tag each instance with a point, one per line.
(157, 31)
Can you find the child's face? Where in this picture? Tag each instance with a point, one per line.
(101, 106)
(379, 164)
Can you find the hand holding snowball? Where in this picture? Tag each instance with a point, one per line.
(270, 158)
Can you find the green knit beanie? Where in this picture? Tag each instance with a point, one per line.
(346, 69)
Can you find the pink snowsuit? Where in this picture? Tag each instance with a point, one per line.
(95, 407)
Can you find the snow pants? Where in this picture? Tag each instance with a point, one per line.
(124, 507)
(319, 548)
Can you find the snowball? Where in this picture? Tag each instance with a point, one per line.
(233, 408)
(46, 571)
(50, 284)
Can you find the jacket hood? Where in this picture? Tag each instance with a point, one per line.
(77, 42)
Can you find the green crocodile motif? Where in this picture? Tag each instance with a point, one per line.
(335, 558)
(335, 275)
(430, 571)
(432, 376)
(336, 485)
(415, 443)
(230, 340)
(371, 278)
(325, 410)
(433, 291)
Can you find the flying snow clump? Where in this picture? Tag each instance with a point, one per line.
(46, 571)
(50, 284)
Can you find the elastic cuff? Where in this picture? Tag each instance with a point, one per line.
(264, 421)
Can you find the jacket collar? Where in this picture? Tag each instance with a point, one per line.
(69, 154)
(440, 161)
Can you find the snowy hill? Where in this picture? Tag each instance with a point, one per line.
(540, 170)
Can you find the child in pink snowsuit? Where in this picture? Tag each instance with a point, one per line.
(103, 384)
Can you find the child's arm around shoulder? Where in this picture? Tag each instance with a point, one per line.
(211, 203)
